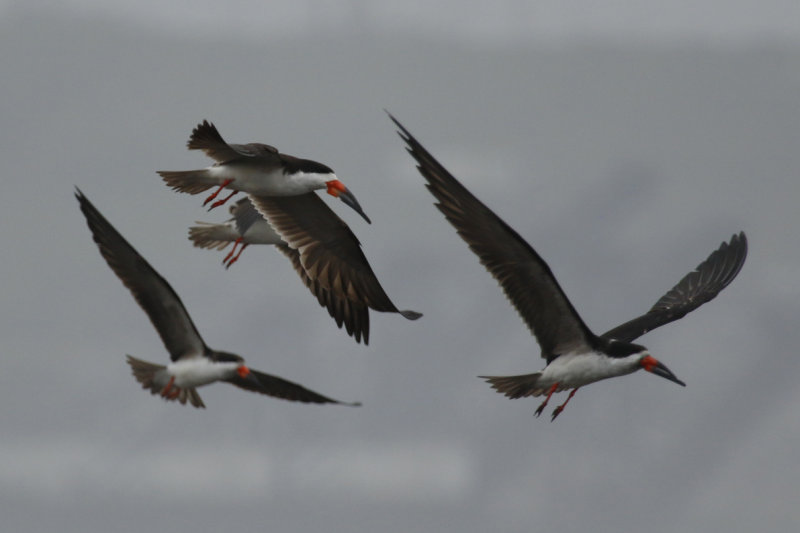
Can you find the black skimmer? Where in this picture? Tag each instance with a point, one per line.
(193, 364)
(244, 228)
(334, 269)
(575, 356)
(254, 168)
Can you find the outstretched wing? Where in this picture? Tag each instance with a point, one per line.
(280, 388)
(154, 294)
(696, 288)
(522, 273)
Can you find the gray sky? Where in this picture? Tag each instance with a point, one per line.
(624, 145)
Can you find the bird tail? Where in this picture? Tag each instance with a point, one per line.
(154, 378)
(516, 386)
(188, 181)
(410, 315)
(212, 236)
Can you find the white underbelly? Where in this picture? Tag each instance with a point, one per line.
(576, 370)
(200, 371)
(253, 180)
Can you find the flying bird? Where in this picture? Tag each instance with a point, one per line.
(193, 363)
(245, 227)
(254, 168)
(334, 268)
(575, 356)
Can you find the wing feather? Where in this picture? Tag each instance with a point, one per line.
(155, 296)
(329, 251)
(697, 287)
(281, 388)
(524, 276)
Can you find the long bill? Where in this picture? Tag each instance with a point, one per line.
(348, 198)
(653, 365)
(336, 188)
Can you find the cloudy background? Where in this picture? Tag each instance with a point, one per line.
(624, 142)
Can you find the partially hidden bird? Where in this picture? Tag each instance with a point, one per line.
(335, 270)
(322, 248)
(193, 364)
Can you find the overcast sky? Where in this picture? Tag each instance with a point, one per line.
(623, 143)
(473, 21)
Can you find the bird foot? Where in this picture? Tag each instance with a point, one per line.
(544, 403)
(232, 253)
(557, 410)
(166, 391)
(230, 258)
(213, 195)
(220, 202)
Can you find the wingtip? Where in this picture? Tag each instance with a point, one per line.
(410, 315)
(403, 133)
(740, 238)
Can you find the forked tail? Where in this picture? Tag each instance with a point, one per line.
(516, 386)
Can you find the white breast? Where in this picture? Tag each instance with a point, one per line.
(575, 370)
(199, 371)
(254, 180)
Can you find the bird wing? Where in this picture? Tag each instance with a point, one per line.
(245, 215)
(150, 290)
(696, 288)
(205, 137)
(329, 251)
(280, 388)
(524, 276)
(352, 314)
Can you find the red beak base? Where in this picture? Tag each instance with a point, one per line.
(335, 188)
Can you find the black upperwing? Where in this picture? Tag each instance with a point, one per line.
(151, 291)
(696, 288)
(278, 387)
(205, 137)
(524, 276)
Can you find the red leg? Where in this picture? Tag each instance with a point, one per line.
(557, 410)
(220, 202)
(232, 261)
(233, 251)
(167, 387)
(214, 195)
(544, 403)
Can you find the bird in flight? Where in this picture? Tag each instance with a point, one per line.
(193, 364)
(323, 250)
(575, 356)
(254, 168)
(334, 269)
